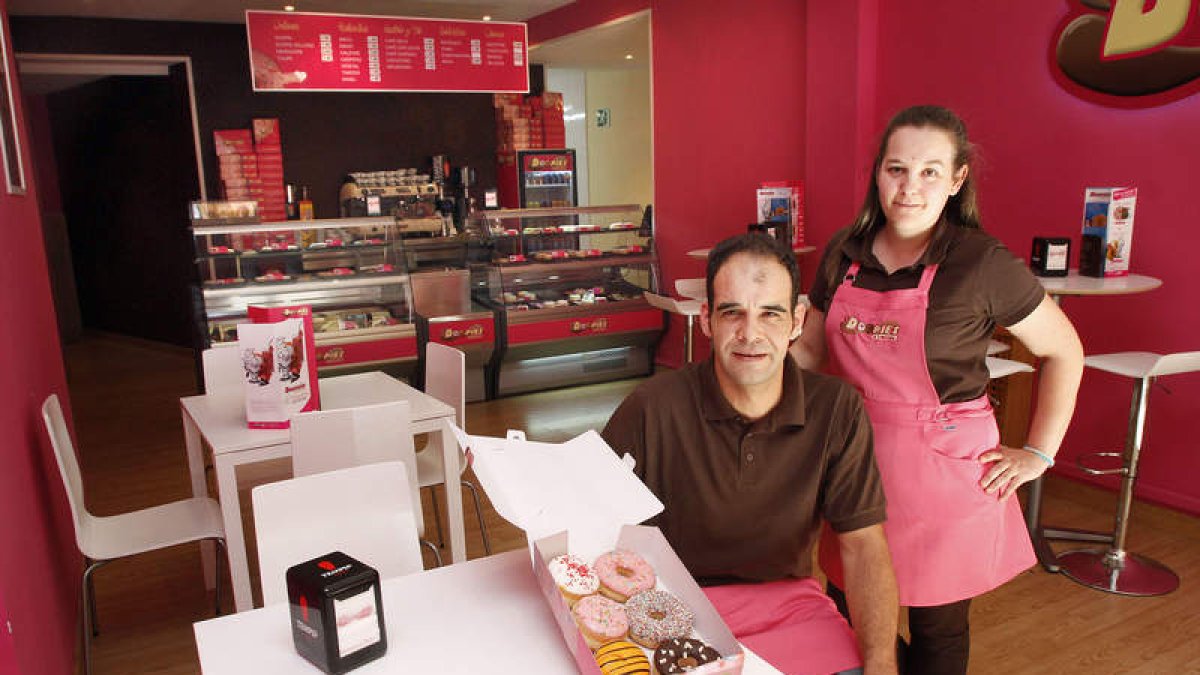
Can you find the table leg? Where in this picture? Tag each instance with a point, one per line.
(454, 511)
(195, 460)
(235, 538)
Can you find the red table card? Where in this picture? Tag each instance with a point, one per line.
(304, 51)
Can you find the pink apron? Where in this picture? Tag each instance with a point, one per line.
(949, 539)
(791, 624)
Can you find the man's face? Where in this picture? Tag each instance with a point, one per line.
(750, 322)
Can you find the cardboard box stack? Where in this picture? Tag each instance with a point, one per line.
(272, 202)
(524, 123)
(251, 166)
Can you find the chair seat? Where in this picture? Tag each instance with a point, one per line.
(187, 520)
(1138, 365)
(998, 367)
(996, 347)
(673, 305)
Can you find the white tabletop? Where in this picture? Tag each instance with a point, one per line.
(702, 253)
(1076, 284)
(223, 418)
(483, 616)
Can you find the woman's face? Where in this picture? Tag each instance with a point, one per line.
(917, 178)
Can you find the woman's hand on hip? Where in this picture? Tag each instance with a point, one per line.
(1010, 469)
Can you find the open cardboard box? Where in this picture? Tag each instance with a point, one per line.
(580, 492)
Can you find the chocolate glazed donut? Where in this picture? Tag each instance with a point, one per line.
(681, 655)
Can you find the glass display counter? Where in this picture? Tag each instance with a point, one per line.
(566, 285)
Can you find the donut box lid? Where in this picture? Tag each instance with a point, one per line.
(580, 492)
(579, 486)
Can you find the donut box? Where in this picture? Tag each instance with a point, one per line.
(578, 497)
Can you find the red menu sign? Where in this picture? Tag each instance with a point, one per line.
(300, 51)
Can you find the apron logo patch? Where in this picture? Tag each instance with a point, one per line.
(886, 330)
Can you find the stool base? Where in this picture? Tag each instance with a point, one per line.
(1137, 575)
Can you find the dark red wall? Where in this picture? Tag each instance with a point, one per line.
(1040, 146)
(729, 112)
(38, 559)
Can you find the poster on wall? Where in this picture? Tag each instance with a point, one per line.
(10, 142)
(306, 51)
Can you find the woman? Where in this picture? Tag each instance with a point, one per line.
(904, 304)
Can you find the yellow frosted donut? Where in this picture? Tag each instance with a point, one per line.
(622, 658)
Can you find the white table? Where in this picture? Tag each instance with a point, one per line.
(220, 419)
(702, 253)
(484, 616)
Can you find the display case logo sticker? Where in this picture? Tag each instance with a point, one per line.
(472, 332)
(1129, 53)
(593, 326)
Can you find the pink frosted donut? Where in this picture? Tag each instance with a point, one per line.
(623, 574)
(600, 620)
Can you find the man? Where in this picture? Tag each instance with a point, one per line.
(749, 453)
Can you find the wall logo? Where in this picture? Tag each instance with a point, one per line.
(886, 330)
(1129, 53)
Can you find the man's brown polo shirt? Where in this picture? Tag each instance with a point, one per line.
(744, 500)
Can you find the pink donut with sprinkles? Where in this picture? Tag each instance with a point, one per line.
(600, 620)
(623, 574)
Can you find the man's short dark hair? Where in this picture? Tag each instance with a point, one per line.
(754, 243)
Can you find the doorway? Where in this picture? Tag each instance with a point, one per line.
(116, 149)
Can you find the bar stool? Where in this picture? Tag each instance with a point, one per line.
(688, 309)
(1115, 570)
(695, 289)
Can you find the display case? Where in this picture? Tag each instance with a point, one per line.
(351, 271)
(446, 310)
(566, 285)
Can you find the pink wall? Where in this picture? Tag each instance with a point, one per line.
(728, 83)
(1040, 147)
(37, 552)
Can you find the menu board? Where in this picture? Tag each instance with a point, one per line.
(304, 51)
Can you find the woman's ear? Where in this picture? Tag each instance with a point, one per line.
(960, 177)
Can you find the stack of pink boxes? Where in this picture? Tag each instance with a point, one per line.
(272, 200)
(251, 166)
(524, 123)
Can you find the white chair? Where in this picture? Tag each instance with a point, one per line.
(688, 309)
(998, 367)
(696, 289)
(363, 511)
(446, 380)
(102, 539)
(337, 439)
(996, 347)
(1114, 569)
(222, 369)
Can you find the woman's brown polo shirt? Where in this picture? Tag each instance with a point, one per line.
(744, 500)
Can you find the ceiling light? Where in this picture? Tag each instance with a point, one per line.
(289, 8)
(629, 57)
(487, 17)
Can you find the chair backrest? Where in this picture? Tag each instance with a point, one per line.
(363, 511)
(446, 378)
(695, 289)
(1173, 364)
(661, 302)
(327, 440)
(222, 369)
(68, 468)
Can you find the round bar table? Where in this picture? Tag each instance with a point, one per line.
(1058, 287)
(702, 253)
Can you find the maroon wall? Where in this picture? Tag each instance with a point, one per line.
(38, 559)
(729, 113)
(1040, 146)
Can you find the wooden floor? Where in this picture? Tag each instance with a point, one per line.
(125, 394)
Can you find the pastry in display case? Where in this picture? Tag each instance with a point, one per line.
(567, 286)
(349, 270)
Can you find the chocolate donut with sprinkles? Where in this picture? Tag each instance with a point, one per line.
(655, 616)
(680, 655)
